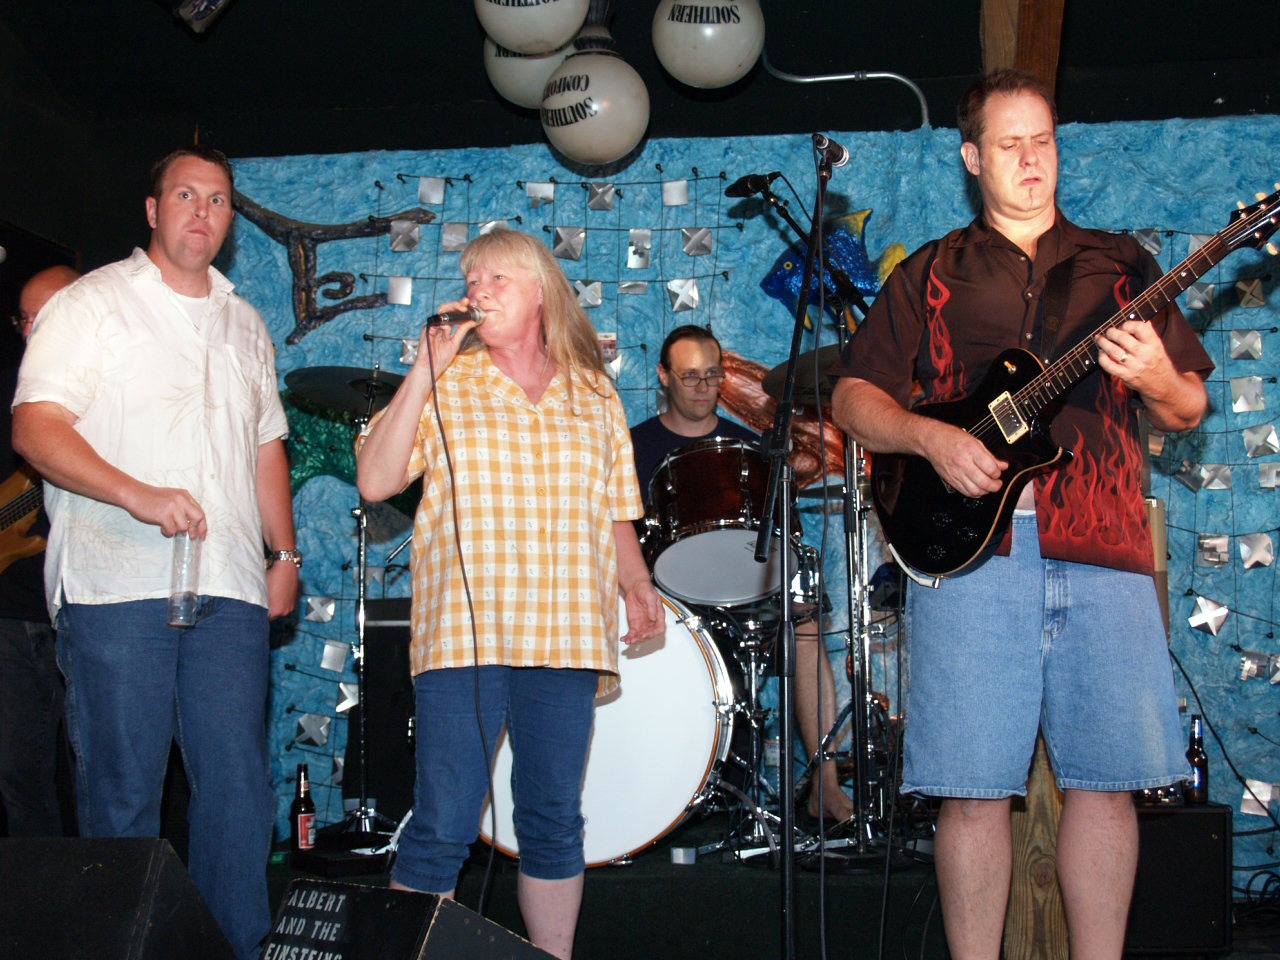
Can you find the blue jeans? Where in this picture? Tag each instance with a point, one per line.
(135, 684)
(31, 735)
(549, 713)
(1023, 643)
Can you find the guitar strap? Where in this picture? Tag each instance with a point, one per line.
(1057, 290)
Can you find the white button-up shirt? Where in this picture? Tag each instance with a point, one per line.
(169, 401)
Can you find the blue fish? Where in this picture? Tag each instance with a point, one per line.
(846, 252)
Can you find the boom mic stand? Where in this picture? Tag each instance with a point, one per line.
(777, 446)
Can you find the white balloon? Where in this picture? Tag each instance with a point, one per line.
(596, 108)
(708, 45)
(520, 77)
(540, 27)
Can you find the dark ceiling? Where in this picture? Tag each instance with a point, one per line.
(273, 77)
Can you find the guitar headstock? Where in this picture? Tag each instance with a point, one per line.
(1252, 226)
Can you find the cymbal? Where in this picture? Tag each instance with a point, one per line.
(776, 378)
(344, 389)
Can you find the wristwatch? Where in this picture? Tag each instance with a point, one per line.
(293, 556)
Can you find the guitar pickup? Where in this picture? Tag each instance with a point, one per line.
(1007, 417)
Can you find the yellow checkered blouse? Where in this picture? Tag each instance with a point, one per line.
(537, 490)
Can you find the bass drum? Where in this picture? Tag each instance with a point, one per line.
(654, 745)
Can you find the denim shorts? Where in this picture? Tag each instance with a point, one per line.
(548, 713)
(1022, 643)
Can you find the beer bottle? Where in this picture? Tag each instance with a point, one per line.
(302, 814)
(1197, 788)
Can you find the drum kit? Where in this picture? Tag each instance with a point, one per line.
(685, 732)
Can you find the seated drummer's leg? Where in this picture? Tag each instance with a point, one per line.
(814, 716)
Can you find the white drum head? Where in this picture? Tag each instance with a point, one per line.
(653, 745)
(719, 568)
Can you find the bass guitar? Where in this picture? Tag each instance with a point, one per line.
(20, 499)
(938, 531)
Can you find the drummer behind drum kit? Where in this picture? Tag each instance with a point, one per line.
(685, 730)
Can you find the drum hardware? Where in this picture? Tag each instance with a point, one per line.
(361, 393)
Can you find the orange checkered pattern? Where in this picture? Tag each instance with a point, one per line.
(537, 489)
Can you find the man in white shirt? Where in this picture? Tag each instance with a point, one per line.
(148, 401)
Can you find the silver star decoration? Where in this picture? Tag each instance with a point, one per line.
(539, 193)
(400, 290)
(334, 655)
(313, 729)
(1189, 474)
(1254, 663)
(1257, 550)
(1200, 295)
(404, 236)
(1246, 345)
(1261, 440)
(634, 288)
(590, 293)
(639, 247)
(697, 241)
(1208, 616)
(1251, 293)
(1198, 240)
(568, 242)
(683, 294)
(600, 196)
(408, 352)
(374, 576)
(339, 768)
(348, 696)
(431, 189)
(1212, 550)
(453, 237)
(675, 193)
(1247, 395)
(320, 609)
(1215, 476)
(491, 225)
(1150, 240)
(1269, 475)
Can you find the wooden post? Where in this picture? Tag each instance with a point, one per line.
(1035, 927)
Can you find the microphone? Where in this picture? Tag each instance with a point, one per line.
(831, 151)
(751, 184)
(456, 316)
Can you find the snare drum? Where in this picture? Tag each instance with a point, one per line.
(700, 537)
(653, 748)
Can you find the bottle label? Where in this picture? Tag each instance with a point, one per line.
(306, 831)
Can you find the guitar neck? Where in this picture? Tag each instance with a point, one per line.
(20, 506)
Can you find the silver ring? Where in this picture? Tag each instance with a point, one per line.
(1124, 356)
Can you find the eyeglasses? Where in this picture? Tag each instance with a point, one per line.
(691, 380)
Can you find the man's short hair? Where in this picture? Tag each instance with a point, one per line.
(970, 115)
(688, 332)
(197, 150)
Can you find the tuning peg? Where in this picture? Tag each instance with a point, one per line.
(1271, 248)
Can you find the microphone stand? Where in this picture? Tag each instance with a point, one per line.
(360, 825)
(776, 447)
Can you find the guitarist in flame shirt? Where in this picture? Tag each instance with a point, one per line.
(1060, 629)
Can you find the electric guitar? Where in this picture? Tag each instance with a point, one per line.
(937, 530)
(20, 499)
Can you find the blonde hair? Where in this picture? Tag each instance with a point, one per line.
(570, 339)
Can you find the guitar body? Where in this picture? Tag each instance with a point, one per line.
(933, 528)
(20, 497)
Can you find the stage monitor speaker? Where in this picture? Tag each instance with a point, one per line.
(1182, 895)
(388, 706)
(323, 918)
(85, 899)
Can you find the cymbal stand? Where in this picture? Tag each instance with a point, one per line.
(364, 819)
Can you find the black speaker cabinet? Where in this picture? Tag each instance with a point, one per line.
(86, 899)
(388, 712)
(322, 918)
(1182, 895)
